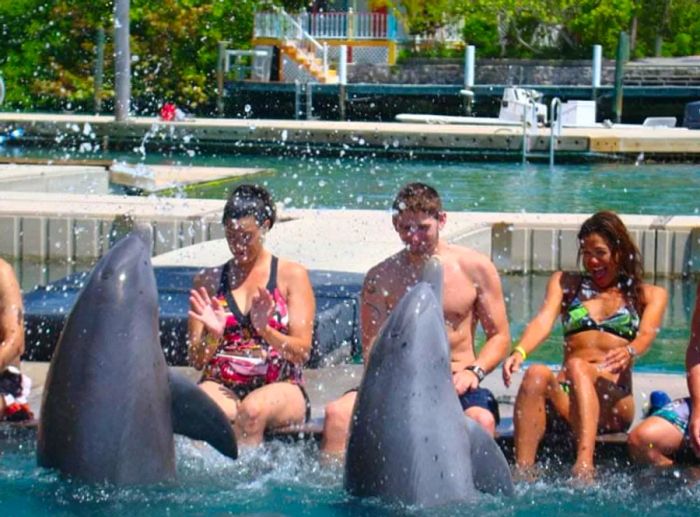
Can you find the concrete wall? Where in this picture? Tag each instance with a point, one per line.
(80, 227)
(524, 71)
(54, 178)
(672, 250)
(487, 71)
(85, 239)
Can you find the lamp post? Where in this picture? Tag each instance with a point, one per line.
(122, 61)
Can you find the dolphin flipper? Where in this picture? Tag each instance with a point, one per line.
(489, 467)
(196, 416)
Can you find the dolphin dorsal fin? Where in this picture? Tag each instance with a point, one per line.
(432, 275)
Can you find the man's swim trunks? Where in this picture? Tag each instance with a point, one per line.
(481, 397)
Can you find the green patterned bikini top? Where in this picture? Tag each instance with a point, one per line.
(624, 323)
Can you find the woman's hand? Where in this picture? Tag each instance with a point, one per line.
(511, 366)
(261, 310)
(208, 311)
(617, 360)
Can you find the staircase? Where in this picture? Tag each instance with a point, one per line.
(309, 62)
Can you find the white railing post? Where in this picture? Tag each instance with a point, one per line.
(597, 65)
(343, 65)
(325, 58)
(469, 66)
(554, 127)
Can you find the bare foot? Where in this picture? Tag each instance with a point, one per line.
(332, 460)
(583, 472)
(528, 474)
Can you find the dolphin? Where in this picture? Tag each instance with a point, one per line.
(410, 441)
(110, 405)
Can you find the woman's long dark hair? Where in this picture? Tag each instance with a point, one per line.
(611, 228)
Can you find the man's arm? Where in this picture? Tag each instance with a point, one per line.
(11, 317)
(491, 313)
(373, 311)
(692, 365)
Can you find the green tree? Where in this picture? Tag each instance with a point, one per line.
(47, 52)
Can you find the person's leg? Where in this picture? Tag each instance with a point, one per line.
(336, 425)
(223, 397)
(483, 417)
(480, 405)
(275, 405)
(585, 413)
(658, 438)
(616, 405)
(529, 416)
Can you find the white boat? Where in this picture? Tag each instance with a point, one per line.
(514, 103)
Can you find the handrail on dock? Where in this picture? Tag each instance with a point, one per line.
(554, 127)
(327, 25)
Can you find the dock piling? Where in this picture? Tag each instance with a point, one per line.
(122, 61)
(623, 52)
(99, 68)
(220, 71)
(342, 79)
(596, 70)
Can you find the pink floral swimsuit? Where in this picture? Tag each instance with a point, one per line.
(244, 361)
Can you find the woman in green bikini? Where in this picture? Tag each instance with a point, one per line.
(609, 316)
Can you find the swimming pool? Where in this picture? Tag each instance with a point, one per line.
(287, 479)
(370, 182)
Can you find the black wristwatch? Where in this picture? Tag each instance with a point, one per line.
(477, 370)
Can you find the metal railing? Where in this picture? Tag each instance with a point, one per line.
(293, 28)
(555, 124)
(332, 25)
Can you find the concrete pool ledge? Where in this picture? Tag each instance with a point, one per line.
(80, 227)
(354, 240)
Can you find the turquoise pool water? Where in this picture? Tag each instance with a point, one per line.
(288, 480)
(491, 187)
(371, 182)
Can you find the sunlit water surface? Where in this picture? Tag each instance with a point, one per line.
(370, 182)
(284, 479)
(287, 479)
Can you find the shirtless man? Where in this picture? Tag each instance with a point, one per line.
(472, 293)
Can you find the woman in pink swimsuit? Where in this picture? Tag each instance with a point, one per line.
(250, 324)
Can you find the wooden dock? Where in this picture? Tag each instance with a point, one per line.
(151, 179)
(433, 140)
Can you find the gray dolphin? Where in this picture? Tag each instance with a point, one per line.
(110, 406)
(409, 439)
